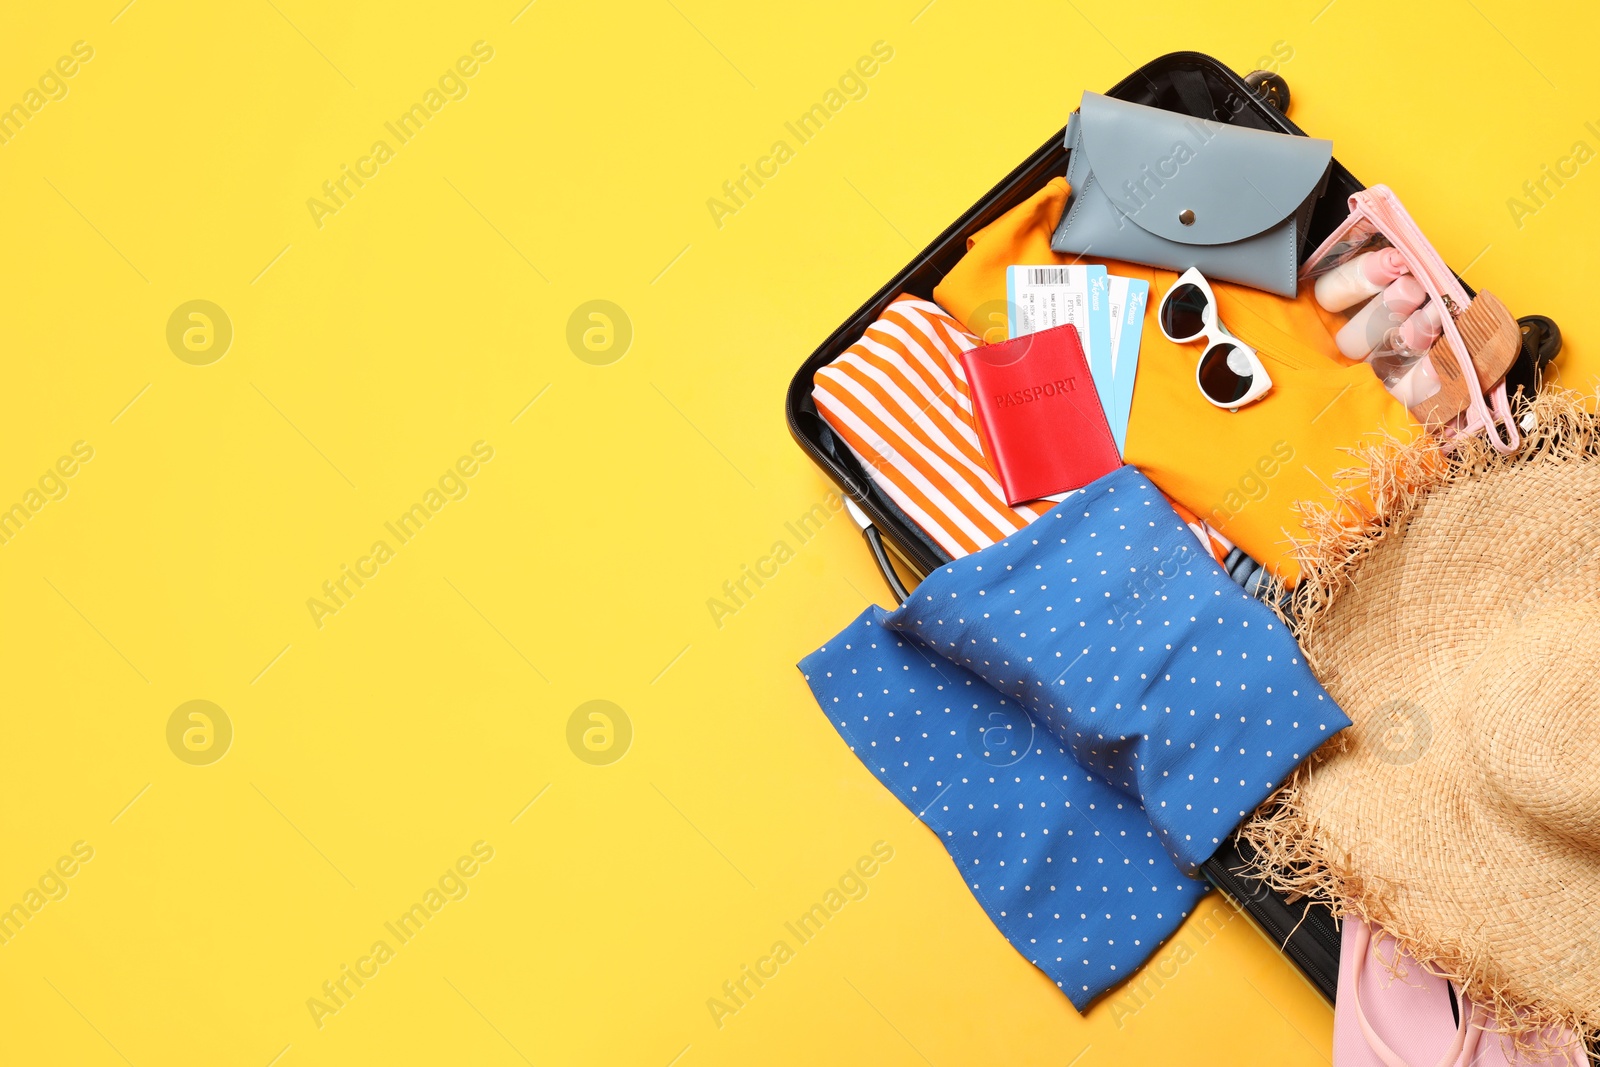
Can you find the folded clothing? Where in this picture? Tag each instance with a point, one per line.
(1067, 868)
(1082, 711)
(898, 399)
(1242, 472)
(974, 290)
(1138, 653)
(1257, 464)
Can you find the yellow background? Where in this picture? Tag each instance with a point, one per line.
(370, 353)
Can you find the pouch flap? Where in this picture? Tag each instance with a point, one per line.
(1159, 167)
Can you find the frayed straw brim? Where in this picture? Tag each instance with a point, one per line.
(1458, 625)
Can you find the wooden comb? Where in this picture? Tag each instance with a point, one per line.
(1493, 341)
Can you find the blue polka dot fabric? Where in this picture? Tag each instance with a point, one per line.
(1067, 867)
(1137, 652)
(1091, 694)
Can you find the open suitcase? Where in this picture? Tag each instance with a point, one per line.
(1189, 83)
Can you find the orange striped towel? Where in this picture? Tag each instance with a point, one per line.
(898, 398)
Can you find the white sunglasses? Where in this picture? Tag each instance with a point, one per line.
(1229, 374)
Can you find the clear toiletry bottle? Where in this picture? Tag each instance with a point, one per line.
(1367, 327)
(1416, 384)
(1405, 344)
(1350, 283)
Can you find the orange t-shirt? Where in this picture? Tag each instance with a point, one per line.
(1240, 471)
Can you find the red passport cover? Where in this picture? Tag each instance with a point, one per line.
(1039, 414)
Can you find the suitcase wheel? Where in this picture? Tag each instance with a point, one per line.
(1541, 343)
(1542, 337)
(1271, 88)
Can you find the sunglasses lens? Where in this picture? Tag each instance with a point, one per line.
(1225, 374)
(1182, 312)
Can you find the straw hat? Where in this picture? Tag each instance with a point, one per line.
(1460, 631)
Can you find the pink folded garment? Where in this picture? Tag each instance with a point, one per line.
(1393, 1013)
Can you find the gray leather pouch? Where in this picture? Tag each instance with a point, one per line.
(1166, 190)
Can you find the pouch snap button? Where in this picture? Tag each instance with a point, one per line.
(1186, 217)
